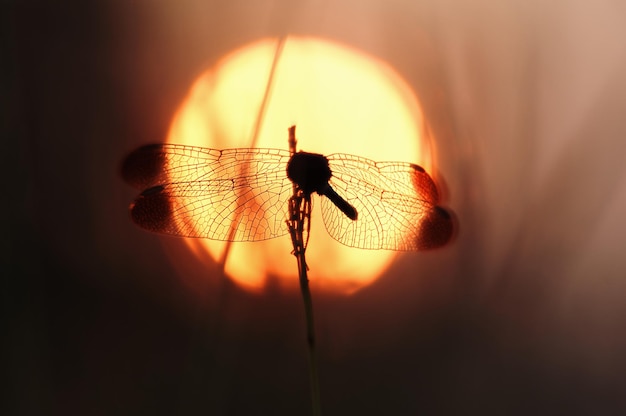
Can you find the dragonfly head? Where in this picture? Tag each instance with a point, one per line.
(309, 171)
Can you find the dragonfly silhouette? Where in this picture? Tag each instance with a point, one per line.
(198, 192)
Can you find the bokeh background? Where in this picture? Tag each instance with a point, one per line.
(523, 314)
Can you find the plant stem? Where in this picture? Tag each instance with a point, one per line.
(299, 221)
(308, 309)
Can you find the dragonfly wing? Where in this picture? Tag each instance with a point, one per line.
(396, 204)
(229, 195)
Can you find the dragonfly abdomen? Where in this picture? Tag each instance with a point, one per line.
(340, 203)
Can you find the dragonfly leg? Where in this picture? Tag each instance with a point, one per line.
(299, 222)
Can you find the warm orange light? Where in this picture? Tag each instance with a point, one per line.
(342, 101)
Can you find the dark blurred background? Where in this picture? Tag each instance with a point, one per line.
(523, 314)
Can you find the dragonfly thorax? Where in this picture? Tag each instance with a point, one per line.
(309, 171)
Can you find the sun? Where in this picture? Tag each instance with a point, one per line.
(342, 101)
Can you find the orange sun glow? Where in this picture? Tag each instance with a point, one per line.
(341, 101)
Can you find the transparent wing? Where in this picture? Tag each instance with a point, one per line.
(230, 195)
(396, 204)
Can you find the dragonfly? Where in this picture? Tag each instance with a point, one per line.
(242, 195)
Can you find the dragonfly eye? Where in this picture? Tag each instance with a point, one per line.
(309, 171)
